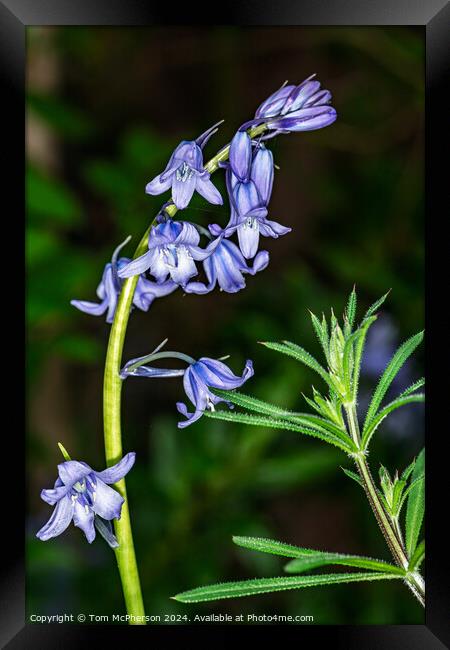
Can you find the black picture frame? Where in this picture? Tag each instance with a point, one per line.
(15, 17)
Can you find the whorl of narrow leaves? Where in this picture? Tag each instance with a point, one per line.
(415, 508)
(268, 585)
(393, 367)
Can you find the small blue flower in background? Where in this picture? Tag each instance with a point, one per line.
(198, 378)
(172, 251)
(185, 173)
(226, 267)
(110, 286)
(296, 108)
(203, 375)
(82, 494)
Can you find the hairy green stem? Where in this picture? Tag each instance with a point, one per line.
(112, 389)
(413, 580)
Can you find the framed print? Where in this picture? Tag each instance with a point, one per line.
(226, 235)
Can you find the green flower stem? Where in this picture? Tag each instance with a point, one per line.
(112, 388)
(414, 580)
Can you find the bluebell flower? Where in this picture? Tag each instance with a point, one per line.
(202, 375)
(296, 108)
(248, 200)
(198, 378)
(110, 286)
(226, 267)
(172, 251)
(84, 496)
(185, 173)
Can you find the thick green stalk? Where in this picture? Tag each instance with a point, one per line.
(112, 389)
(414, 580)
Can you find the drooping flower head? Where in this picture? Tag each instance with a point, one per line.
(185, 173)
(110, 286)
(172, 251)
(203, 375)
(83, 495)
(296, 108)
(198, 378)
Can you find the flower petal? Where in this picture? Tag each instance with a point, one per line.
(93, 308)
(119, 470)
(83, 517)
(158, 186)
(246, 197)
(241, 155)
(108, 503)
(58, 522)
(182, 190)
(54, 495)
(248, 236)
(260, 262)
(262, 173)
(273, 104)
(272, 228)
(191, 417)
(72, 471)
(137, 266)
(306, 119)
(218, 375)
(208, 190)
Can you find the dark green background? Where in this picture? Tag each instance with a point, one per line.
(105, 108)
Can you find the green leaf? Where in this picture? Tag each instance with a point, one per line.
(253, 404)
(418, 384)
(296, 352)
(267, 585)
(353, 475)
(321, 331)
(305, 558)
(325, 559)
(245, 418)
(393, 367)
(272, 546)
(417, 557)
(370, 427)
(376, 305)
(415, 508)
(350, 313)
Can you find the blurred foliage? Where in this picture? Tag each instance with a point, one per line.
(105, 109)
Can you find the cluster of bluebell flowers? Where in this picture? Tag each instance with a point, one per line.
(174, 250)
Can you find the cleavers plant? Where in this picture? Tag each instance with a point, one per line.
(336, 422)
